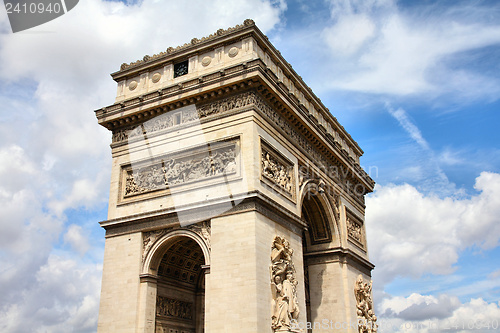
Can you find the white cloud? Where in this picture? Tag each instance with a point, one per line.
(419, 307)
(16, 168)
(380, 47)
(411, 234)
(424, 313)
(358, 27)
(76, 239)
(403, 119)
(55, 157)
(64, 297)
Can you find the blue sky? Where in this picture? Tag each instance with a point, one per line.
(416, 84)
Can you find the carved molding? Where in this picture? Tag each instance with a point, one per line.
(283, 285)
(332, 167)
(367, 320)
(184, 116)
(253, 201)
(277, 170)
(165, 172)
(164, 121)
(149, 238)
(295, 87)
(174, 308)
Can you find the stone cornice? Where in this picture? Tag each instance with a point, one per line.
(271, 61)
(281, 117)
(142, 108)
(339, 254)
(139, 110)
(253, 201)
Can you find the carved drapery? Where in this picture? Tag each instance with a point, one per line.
(277, 170)
(367, 321)
(179, 169)
(285, 307)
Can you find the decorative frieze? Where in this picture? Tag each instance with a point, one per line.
(334, 169)
(180, 168)
(277, 170)
(295, 88)
(285, 307)
(342, 175)
(185, 115)
(227, 104)
(367, 320)
(161, 122)
(174, 308)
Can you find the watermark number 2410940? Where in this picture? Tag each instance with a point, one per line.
(26, 14)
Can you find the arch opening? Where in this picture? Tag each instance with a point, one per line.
(316, 215)
(180, 297)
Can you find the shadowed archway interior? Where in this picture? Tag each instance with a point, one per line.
(315, 216)
(180, 301)
(318, 232)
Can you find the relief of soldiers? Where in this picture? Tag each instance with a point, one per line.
(364, 304)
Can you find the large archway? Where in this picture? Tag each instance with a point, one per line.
(319, 217)
(179, 261)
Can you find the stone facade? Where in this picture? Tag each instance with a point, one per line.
(236, 200)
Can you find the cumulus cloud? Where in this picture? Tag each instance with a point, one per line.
(64, 297)
(382, 47)
(359, 27)
(419, 307)
(424, 313)
(412, 234)
(54, 157)
(76, 239)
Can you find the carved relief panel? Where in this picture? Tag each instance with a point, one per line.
(174, 315)
(277, 171)
(174, 308)
(211, 161)
(355, 230)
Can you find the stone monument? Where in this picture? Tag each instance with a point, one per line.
(236, 200)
